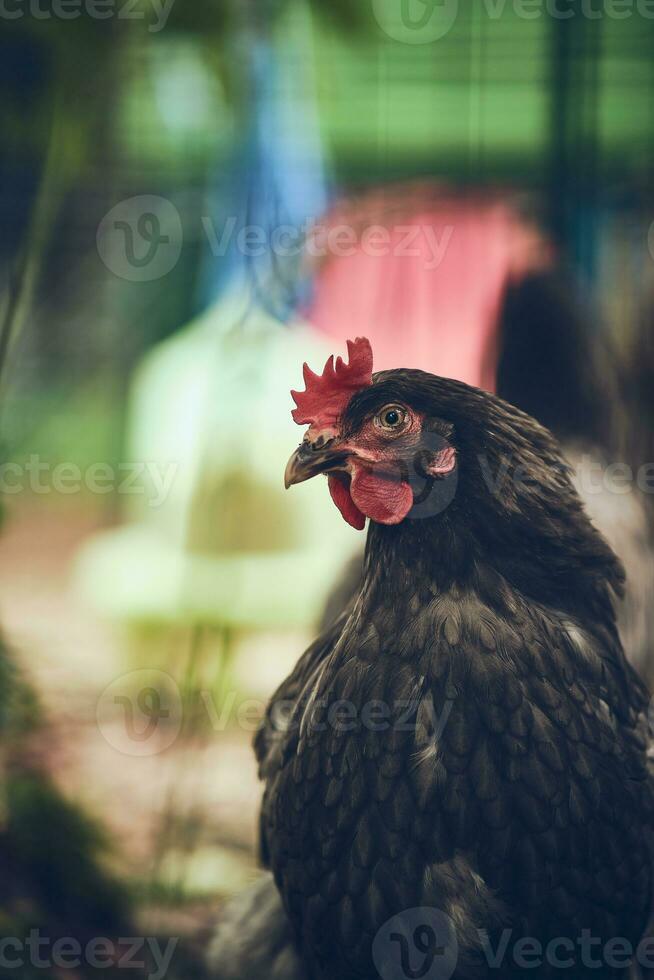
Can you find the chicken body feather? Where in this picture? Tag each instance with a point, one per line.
(468, 736)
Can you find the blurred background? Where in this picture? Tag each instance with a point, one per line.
(196, 198)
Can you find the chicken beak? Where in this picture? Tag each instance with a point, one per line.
(309, 459)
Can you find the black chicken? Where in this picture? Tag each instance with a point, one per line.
(553, 365)
(467, 737)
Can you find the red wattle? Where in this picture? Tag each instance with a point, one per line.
(340, 493)
(380, 498)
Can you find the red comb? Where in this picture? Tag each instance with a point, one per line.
(326, 395)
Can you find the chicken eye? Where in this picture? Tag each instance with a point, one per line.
(391, 417)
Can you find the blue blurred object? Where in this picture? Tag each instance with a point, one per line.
(278, 184)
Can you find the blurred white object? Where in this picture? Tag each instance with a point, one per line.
(223, 543)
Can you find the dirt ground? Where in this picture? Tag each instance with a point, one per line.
(181, 812)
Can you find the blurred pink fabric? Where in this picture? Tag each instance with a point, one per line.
(422, 274)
